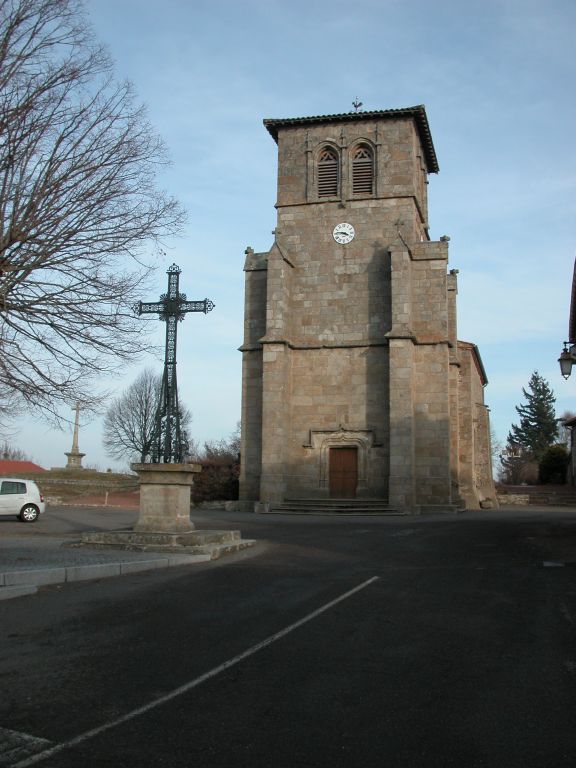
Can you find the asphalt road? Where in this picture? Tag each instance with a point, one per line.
(67, 522)
(405, 642)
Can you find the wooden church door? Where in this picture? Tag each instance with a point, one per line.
(343, 472)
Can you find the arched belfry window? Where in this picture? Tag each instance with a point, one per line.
(362, 171)
(328, 173)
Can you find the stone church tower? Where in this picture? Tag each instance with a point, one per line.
(354, 383)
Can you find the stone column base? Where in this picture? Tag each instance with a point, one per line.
(165, 497)
(74, 460)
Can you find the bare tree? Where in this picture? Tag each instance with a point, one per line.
(220, 460)
(129, 421)
(9, 408)
(78, 206)
(496, 445)
(226, 449)
(10, 452)
(517, 465)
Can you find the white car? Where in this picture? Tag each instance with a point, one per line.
(21, 498)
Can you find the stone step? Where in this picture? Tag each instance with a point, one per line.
(208, 542)
(217, 550)
(161, 538)
(210, 550)
(337, 502)
(333, 507)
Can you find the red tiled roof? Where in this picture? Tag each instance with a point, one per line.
(16, 468)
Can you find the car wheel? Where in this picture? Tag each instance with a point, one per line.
(29, 513)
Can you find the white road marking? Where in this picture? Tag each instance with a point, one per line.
(17, 746)
(39, 757)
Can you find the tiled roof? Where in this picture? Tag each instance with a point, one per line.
(17, 468)
(418, 113)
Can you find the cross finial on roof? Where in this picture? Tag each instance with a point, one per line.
(356, 104)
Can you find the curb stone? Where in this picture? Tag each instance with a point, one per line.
(26, 582)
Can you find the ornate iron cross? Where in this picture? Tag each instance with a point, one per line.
(168, 445)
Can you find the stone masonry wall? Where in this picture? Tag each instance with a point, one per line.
(432, 425)
(475, 465)
(330, 305)
(397, 154)
(256, 273)
(454, 363)
(340, 294)
(466, 431)
(276, 377)
(337, 389)
(355, 344)
(420, 403)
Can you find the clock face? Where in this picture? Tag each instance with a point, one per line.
(343, 233)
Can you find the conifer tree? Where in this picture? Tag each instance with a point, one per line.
(538, 427)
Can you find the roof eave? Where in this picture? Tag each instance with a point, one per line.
(477, 359)
(417, 113)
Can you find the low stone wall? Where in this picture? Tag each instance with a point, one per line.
(58, 485)
(537, 495)
(510, 499)
(227, 506)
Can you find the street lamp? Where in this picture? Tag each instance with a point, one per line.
(567, 359)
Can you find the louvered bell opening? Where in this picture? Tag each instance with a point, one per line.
(328, 174)
(362, 172)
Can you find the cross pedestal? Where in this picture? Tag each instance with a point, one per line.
(165, 497)
(74, 460)
(164, 523)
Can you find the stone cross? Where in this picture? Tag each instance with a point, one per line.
(168, 445)
(74, 456)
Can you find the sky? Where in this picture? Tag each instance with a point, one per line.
(497, 79)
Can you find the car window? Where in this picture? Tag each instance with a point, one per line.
(11, 486)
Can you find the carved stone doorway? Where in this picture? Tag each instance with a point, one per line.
(343, 472)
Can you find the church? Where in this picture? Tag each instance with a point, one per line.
(354, 383)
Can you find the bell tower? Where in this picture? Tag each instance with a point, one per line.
(350, 360)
